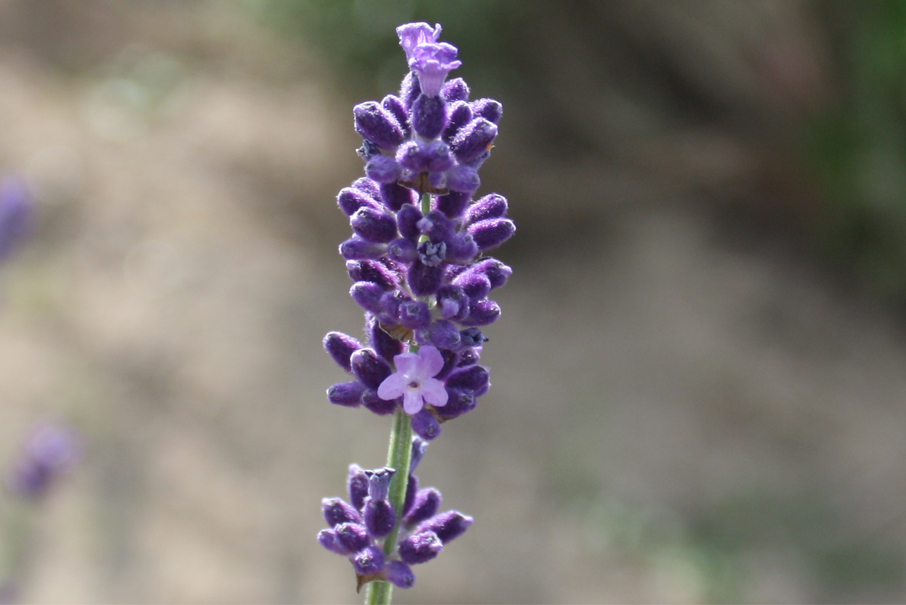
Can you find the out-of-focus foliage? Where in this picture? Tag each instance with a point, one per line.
(860, 146)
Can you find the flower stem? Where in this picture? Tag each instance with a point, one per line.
(399, 458)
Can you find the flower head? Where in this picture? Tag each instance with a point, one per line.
(414, 380)
(414, 34)
(430, 59)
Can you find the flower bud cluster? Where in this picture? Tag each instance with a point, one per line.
(358, 526)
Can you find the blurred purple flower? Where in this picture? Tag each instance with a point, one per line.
(17, 212)
(50, 451)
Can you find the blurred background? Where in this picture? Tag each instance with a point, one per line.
(700, 372)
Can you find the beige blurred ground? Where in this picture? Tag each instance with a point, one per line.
(654, 373)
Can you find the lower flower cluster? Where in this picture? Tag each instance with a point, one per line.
(358, 527)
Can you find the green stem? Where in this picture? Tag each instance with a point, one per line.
(399, 458)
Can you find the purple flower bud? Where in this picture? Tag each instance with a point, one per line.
(419, 449)
(380, 518)
(425, 425)
(427, 502)
(328, 539)
(429, 116)
(368, 295)
(482, 313)
(475, 285)
(473, 140)
(403, 250)
(451, 361)
(489, 109)
(351, 199)
(347, 394)
(337, 511)
(370, 369)
(436, 226)
(412, 156)
(407, 219)
(379, 482)
(371, 271)
(424, 279)
(384, 345)
(447, 526)
(438, 156)
(357, 486)
(415, 315)
(490, 206)
(473, 378)
(377, 125)
(379, 406)
(453, 302)
(454, 203)
(492, 232)
(383, 169)
(420, 547)
(368, 150)
(358, 249)
(341, 347)
(400, 574)
(390, 308)
(368, 561)
(48, 452)
(469, 356)
(409, 90)
(495, 270)
(472, 337)
(460, 114)
(373, 225)
(394, 105)
(461, 248)
(368, 187)
(463, 179)
(432, 254)
(395, 195)
(411, 485)
(455, 90)
(442, 334)
(459, 402)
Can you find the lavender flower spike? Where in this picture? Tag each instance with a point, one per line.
(419, 271)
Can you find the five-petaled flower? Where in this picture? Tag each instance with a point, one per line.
(414, 380)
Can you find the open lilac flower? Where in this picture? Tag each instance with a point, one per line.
(412, 35)
(414, 380)
(432, 63)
